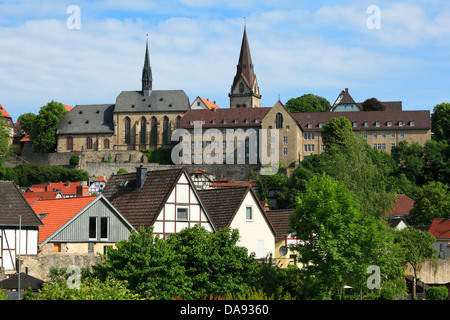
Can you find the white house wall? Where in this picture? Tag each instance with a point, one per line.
(9, 242)
(182, 196)
(256, 235)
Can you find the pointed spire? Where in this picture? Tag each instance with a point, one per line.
(147, 73)
(245, 64)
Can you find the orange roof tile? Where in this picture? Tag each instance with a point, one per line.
(68, 108)
(65, 189)
(101, 179)
(440, 228)
(3, 112)
(26, 138)
(59, 211)
(33, 196)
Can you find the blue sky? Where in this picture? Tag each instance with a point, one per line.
(297, 47)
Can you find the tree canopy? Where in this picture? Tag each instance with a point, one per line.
(373, 104)
(440, 122)
(308, 103)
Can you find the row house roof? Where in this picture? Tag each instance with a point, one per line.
(367, 120)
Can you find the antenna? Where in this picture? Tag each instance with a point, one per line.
(245, 22)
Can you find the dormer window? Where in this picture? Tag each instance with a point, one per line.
(257, 120)
(213, 121)
(389, 123)
(377, 123)
(309, 125)
(224, 121)
(366, 124)
(400, 123)
(411, 123)
(354, 124)
(246, 120)
(320, 124)
(191, 122)
(235, 121)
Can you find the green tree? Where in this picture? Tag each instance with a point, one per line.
(337, 131)
(149, 264)
(432, 201)
(440, 122)
(327, 220)
(90, 289)
(436, 159)
(214, 263)
(4, 141)
(409, 158)
(437, 293)
(417, 247)
(26, 121)
(373, 104)
(308, 103)
(43, 130)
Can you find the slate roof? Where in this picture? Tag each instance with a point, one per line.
(228, 114)
(421, 119)
(245, 64)
(222, 204)
(13, 204)
(280, 222)
(87, 119)
(158, 101)
(58, 212)
(141, 206)
(26, 281)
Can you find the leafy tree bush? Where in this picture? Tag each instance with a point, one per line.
(373, 104)
(440, 122)
(122, 171)
(308, 103)
(28, 174)
(90, 289)
(74, 159)
(437, 293)
(161, 156)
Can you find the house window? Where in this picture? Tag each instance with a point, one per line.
(166, 130)
(88, 143)
(392, 134)
(355, 124)
(377, 123)
(249, 213)
(411, 123)
(285, 151)
(320, 124)
(178, 122)
(402, 135)
(366, 124)
(375, 135)
(69, 143)
(182, 214)
(93, 228)
(392, 145)
(285, 140)
(389, 123)
(106, 144)
(400, 123)
(104, 228)
(383, 134)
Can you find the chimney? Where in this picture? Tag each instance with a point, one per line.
(82, 191)
(141, 176)
(346, 90)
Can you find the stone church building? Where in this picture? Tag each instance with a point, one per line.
(138, 120)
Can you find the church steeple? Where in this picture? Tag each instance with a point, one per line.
(147, 74)
(245, 90)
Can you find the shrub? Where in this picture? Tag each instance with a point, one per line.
(437, 293)
(386, 294)
(122, 171)
(74, 159)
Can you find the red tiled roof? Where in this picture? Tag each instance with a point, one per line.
(229, 114)
(403, 205)
(70, 189)
(3, 112)
(59, 211)
(440, 228)
(68, 108)
(209, 104)
(421, 119)
(101, 179)
(33, 196)
(233, 183)
(26, 138)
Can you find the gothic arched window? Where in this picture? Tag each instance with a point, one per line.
(127, 123)
(178, 123)
(279, 121)
(143, 130)
(166, 130)
(154, 131)
(88, 143)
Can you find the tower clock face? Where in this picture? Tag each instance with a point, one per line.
(241, 87)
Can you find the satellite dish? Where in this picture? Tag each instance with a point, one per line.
(283, 250)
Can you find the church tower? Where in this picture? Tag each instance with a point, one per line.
(147, 74)
(245, 91)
